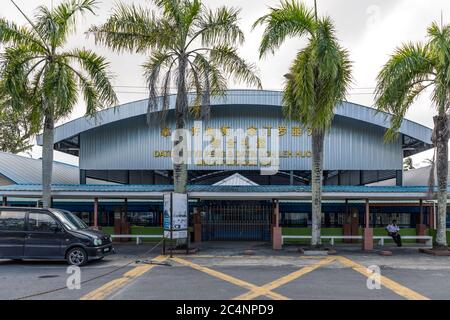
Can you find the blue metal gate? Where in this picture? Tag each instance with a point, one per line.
(237, 222)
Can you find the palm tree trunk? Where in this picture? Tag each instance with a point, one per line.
(180, 174)
(316, 185)
(47, 160)
(441, 137)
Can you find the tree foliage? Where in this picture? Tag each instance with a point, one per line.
(189, 48)
(35, 62)
(413, 68)
(320, 75)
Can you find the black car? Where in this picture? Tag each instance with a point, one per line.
(34, 233)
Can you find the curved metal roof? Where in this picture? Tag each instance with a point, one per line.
(21, 170)
(235, 98)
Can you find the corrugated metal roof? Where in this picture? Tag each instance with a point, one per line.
(211, 188)
(235, 98)
(23, 170)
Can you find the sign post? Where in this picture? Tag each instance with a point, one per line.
(175, 217)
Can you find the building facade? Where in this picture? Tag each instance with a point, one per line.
(232, 200)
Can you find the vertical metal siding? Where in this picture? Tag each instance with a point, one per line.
(260, 98)
(130, 144)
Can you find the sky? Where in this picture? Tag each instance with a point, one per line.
(370, 29)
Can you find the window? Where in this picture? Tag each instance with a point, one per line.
(12, 220)
(41, 222)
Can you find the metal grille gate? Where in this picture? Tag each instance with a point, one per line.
(245, 222)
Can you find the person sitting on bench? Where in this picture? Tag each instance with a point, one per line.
(393, 231)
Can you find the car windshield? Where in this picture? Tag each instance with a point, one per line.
(70, 221)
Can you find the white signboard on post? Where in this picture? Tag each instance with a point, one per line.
(175, 216)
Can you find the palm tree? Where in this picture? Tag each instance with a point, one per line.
(16, 123)
(35, 63)
(412, 69)
(189, 47)
(317, 82)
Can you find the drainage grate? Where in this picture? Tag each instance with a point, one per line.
(48, 276)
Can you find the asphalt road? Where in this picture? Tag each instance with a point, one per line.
(223, 272)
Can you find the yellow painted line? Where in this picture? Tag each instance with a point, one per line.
(230, 279)
(284, 280)
(108, 288)
(388, 283)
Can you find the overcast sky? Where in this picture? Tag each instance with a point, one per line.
(369, 29)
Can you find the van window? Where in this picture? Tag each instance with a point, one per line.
(12, 220)
(41, 222)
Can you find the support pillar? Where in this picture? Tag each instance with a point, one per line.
(4, 201)
(399, 178)
(420, 226)
(82, 176)
(276, 233)
(96, 213)
(367, 232)
(197, 226)
(431, 216)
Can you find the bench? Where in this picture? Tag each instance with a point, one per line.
(331, 238)
(138, 237)
(293, 237)
(429, 239)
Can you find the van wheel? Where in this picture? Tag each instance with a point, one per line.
(77, 256)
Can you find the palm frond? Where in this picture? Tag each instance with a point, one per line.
(318, 80)
(97, 69)
(228, 59)
(153, 67)
(133, 29)
(12, 34)
(220, 27)
(56, 24)
(401, 79)
(291, 19)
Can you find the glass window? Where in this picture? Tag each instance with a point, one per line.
(12, 220)
(70, 220)
(41, 222)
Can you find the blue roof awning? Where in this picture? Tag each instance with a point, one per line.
(219, 192)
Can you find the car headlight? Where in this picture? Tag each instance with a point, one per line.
(97, 242)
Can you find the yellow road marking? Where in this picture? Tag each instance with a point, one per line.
(388, 283)
(284, 280)
(108, 288)
(233, 280)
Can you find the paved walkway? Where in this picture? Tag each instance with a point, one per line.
(222, 271)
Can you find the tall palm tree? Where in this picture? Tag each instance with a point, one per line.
(17, 127)
(317, 82)
(189, 47)
(412, 69)
(36, 63)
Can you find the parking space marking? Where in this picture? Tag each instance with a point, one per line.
(388, 283)
(284, 280)
(113, 285)
(233, 280)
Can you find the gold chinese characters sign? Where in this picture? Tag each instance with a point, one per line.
(228, 146)
(296, 131)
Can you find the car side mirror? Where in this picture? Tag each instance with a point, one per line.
(57, 229)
